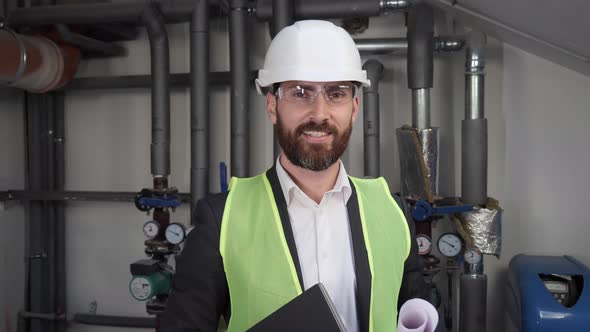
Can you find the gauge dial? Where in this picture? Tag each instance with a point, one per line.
(472, 256)
(151, 229)
(449, 244)
(424, 244)
(175, 233)
(141, 288)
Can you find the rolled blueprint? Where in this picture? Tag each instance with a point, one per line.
(417, 315)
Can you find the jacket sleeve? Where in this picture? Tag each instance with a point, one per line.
(413, 284)
(199, 293)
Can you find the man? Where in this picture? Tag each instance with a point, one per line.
(303, 221)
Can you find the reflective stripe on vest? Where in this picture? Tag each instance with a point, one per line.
(260, 272)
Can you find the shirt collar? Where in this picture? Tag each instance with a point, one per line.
(289, 186)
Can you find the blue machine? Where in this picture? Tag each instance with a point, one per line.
(547, 293)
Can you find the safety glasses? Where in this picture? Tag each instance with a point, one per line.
(306, 93)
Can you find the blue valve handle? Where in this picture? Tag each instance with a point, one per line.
(422, 210)
(160, 202)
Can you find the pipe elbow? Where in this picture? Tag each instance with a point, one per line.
(153, 20)
(374, 69)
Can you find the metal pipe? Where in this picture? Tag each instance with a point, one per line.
(60, 219)
(49, 207)
(116, 321)
(474, 152)
(317, 9)
(421, 108)
(199, 57)
(282, 16)
(90, 44)
(374, 70)
(77, 196)
(240, 93)
(160, 68)
(381, 45)
(130, 12)
(474, 76)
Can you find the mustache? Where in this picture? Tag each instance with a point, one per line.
(314, 126)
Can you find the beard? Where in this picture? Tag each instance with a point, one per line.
(312, 156)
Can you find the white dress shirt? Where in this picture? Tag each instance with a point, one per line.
(323, 240)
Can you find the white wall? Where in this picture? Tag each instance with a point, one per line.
(536, 112)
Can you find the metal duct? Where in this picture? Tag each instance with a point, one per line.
(374, 70)
(35, 63)
(160, 67)
(199, 57)
(240, 87)
(474, 154)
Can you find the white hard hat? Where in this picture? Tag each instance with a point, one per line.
(312, 50)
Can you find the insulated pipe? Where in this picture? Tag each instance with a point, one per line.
(240, 92)
(473, 294)
(318, 9)
(182, 80)
(474, 158)
(282, 16)
(160, 68)
(35, 63)
(199, 54)
(49, 207)
(420, 62)
(131, 12)
(374, 70)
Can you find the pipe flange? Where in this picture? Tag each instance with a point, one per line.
(388, 6)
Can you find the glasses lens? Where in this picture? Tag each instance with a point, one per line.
(336, 94)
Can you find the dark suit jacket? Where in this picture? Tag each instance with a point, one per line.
(200, 293)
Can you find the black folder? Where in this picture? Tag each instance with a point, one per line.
(311, 311)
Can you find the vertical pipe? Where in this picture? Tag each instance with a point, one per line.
(60, 238)
(421, 108)
(160, 67)
(420, 62)
(282, 16)
(473, 293)
(49, 211)
(474, 129)
(199, 102)
(374, 70)
(240, 87)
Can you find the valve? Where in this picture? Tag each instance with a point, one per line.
(148, 199)
(422, 210)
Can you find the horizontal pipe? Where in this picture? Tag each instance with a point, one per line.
(74, 196)
(116, 321)
(43, 316)
(182, 80)
(306, 9)
(400, 45)
(172, 10)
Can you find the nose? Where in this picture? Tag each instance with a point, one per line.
(319, 109)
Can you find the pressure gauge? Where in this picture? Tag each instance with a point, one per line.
(472, 256)
(141, 288)
(151, 229)
(449, 244)
(175, 233)
(144, 287)
(424, 244)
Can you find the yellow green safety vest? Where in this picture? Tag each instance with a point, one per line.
(260, 272)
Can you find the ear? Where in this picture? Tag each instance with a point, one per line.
(271, 107)
(355, 108)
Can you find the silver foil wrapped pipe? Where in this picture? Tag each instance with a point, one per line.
(418, 155)
(482, 227)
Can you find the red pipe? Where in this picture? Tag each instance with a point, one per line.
(36, 63)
